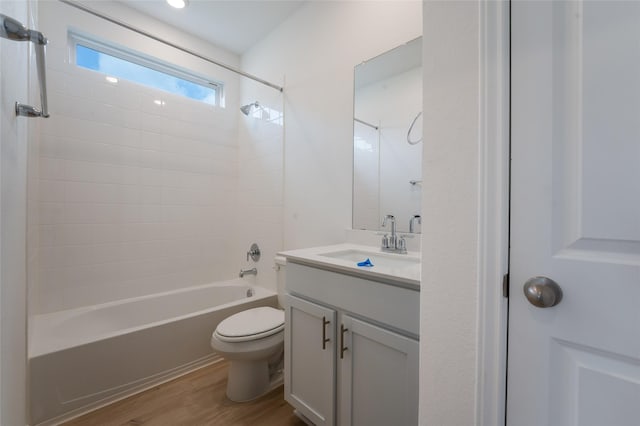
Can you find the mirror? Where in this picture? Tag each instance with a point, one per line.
(387, 138)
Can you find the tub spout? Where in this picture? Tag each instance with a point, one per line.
(252, 271)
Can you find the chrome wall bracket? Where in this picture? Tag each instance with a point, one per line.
(14, 30)
(23, 110)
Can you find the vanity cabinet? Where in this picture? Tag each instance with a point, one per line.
(345, 363)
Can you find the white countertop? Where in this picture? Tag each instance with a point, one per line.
(391, 268)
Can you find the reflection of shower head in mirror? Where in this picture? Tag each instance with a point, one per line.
(411, 128)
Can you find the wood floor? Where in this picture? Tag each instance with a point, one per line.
(196, 399)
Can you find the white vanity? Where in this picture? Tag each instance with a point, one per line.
(351, 335)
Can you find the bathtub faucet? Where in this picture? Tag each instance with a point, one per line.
(252, 271)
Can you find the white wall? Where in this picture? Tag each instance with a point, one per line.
(316, 49)
(134, 198)
(449, 289)
(14, 72)
(260, 189)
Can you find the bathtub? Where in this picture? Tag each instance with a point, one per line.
(83, 358)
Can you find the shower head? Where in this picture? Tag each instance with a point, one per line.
(246, 109)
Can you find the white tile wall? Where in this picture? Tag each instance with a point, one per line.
(133, 197)
(260, 185)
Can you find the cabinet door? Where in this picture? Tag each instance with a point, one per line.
(378, 376)
(310, 360)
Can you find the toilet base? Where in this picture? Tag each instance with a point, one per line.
(249, 380)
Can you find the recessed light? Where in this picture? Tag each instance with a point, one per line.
(111, 79)
(178, 4)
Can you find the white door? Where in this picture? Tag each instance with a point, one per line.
(575, 213)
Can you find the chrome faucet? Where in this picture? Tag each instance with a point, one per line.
(414, 218)
(252, 271)
(393, 243)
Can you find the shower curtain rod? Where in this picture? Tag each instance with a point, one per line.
(365, 123)
(168, 43)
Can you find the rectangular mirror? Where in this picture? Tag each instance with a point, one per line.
(387, 138)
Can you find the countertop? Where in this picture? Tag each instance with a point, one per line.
(391, 268)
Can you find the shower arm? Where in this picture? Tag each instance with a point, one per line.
(12, 29)
(365, 123)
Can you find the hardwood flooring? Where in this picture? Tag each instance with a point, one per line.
(196, 399)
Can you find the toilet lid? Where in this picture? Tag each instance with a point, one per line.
(251, 324)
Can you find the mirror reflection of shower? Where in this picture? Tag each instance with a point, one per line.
(388, 95)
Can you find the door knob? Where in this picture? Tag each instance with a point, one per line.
(542, 292)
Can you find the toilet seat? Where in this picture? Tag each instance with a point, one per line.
(252, 324)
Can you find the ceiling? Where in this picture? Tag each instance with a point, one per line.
(235, 25)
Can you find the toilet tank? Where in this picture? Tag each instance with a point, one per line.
(280, 267)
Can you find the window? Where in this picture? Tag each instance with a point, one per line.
(124, 64)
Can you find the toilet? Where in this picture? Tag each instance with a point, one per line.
(253, 343)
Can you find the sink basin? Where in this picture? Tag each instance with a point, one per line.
(386, 260)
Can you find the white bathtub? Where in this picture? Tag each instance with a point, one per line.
(87, 357)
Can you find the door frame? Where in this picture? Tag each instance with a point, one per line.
(493, 212)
